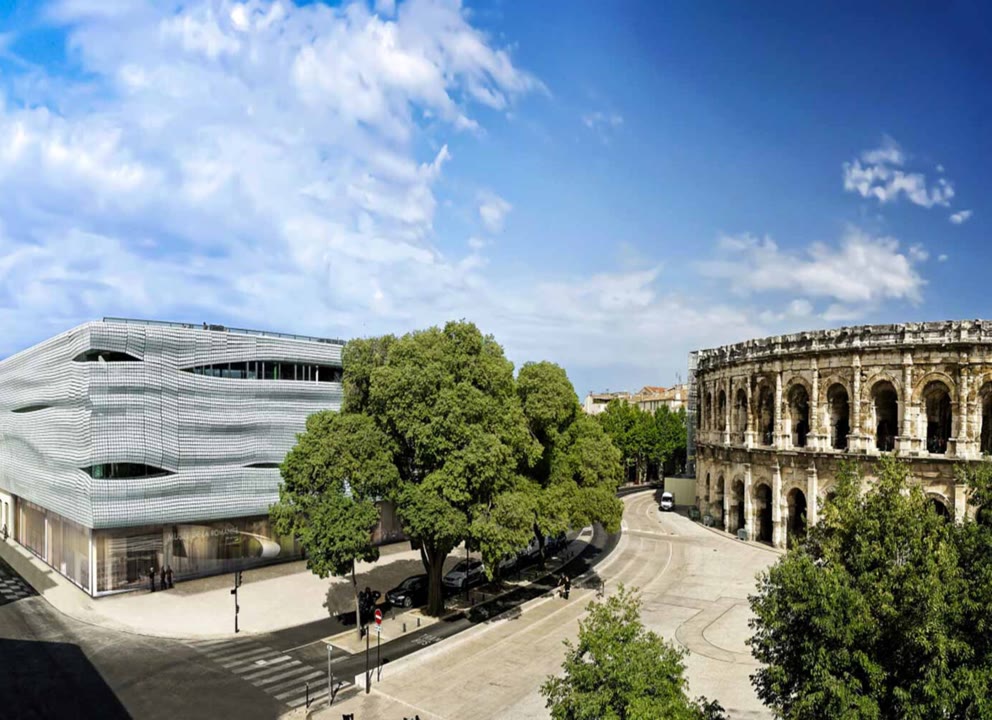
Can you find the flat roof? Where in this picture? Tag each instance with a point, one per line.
(222, 328)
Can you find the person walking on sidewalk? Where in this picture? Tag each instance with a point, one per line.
(162, 576)
(565, 584)
(151, 576)
(168, 575)
(5, 532)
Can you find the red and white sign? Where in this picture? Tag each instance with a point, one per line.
(378, 616)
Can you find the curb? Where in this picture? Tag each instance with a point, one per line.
(752, 543)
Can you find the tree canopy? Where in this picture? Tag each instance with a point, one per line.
(619, 670)
(646, 439)
(574, 479)
(332, 477)
(883, 611)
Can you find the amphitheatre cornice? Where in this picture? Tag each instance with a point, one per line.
(847, 339)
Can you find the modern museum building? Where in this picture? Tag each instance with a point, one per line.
(128, 445)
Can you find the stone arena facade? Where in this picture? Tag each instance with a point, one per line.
(775, 418)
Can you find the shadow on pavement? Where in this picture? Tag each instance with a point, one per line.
(53, 680)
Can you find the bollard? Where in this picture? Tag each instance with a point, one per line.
(418, 622)
(404, 627)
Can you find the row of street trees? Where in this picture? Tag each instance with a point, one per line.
(650, 444)
(436, 422)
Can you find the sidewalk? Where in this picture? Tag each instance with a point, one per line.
(271, 598)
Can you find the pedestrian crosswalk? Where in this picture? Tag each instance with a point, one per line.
(12, 586)
(277, 673)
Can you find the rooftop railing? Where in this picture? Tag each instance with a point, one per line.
(222, 328)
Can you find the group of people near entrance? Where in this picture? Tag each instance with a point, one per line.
(166, 576)
(367, 600)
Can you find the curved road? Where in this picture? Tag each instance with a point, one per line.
(694, 585)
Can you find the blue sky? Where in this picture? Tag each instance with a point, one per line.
(605, 185)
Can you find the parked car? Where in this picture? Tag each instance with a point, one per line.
(409, 593)
(507, 563)
(465, 573)
(667, 501)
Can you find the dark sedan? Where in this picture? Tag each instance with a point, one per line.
(409, 593)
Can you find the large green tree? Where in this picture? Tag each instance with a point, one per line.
(332, 479)
(574, 479)
(882, 612)
(619, 670)
(446, 400)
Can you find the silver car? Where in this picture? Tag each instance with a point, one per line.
(667, 502)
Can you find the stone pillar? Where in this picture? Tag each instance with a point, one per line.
(909, 440)
(815, 440)
(748, 503)
(856, 437)
(726, 413)
(964, 447)
(726, 502)
(812, 495)
(960, 501)
(779, 438)
(778, 527)
(749, 427)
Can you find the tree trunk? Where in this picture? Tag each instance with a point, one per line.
(434, 564)
(358, 609)
(540, 547)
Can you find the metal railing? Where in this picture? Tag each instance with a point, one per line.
(222, 328)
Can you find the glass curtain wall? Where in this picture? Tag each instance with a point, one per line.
(60, 542)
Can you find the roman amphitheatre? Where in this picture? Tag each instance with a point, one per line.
(775, 417)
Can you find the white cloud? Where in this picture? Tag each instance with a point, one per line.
(596, 120)
(493, 211)
(877, 174)
(960, 217)
(861, 269)
(942, 258)
(257, 159)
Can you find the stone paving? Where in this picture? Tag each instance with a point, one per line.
(694, 584)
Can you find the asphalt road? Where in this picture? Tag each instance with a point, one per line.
(54, 667)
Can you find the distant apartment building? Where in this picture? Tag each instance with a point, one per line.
(649, 398)
(595, 403)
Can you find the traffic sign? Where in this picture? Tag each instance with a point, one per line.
(378, 616)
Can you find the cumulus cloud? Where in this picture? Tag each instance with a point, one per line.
(254, 158)
(960, 217)
(596, 120)
(861, 269)
(493, 211)
(878, 174)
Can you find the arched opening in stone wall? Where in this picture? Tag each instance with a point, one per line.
(709, 411)
(716, 503)
(986, 438)
(937, 400)
(839, 409)
(799, 414)
(740, 416)
(766, 415)
(721, 410)
(737, 506)
(797, 515)
(706, 497)
(938, 506)
(763, 512)
(886, 405)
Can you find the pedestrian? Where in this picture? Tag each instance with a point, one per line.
(162, 576)
(151, 576)
(5, 532)
(168, 575)
(568, 585)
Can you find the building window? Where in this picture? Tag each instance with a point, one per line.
(30, 408)
(124, 470)
(886, 402)
(105, 356)
(268, 370)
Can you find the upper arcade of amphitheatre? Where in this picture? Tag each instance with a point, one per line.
(920, 389)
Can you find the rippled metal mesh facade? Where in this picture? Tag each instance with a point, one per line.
(58, 416)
